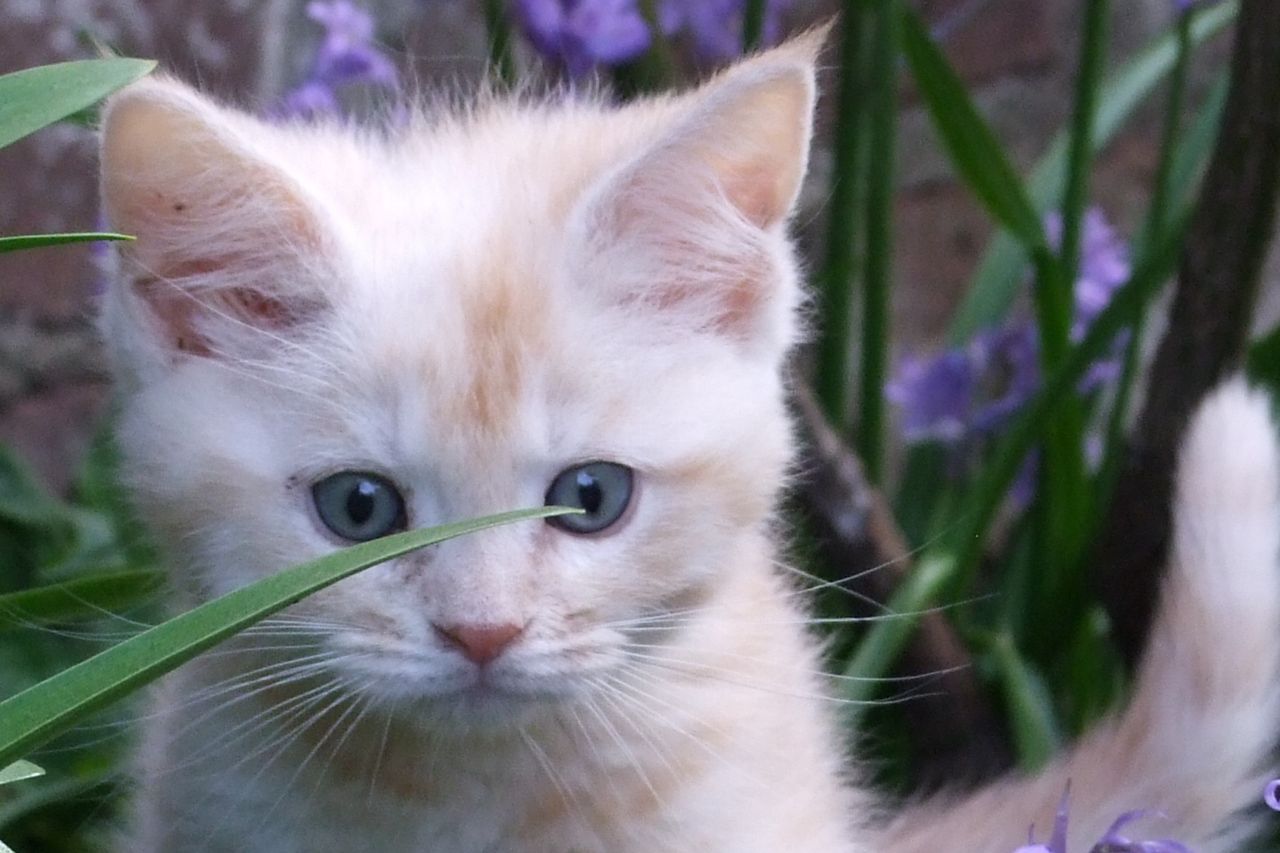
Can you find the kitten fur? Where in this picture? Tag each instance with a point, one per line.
(469, 304)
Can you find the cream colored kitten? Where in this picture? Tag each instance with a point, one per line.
(323, 335)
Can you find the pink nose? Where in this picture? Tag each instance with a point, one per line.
(479, 643)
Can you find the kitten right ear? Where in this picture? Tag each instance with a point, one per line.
(225, 238)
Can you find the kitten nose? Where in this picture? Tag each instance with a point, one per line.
(479, 643)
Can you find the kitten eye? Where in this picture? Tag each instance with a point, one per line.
(603, 489)
(358, 505)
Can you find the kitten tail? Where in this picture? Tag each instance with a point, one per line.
(1195, 742)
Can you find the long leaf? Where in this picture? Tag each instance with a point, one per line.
(35, 97)
(18, 771)
(974, 150)
(89, 596)
(1036, 732)
(36, 241)
(37, 714)
(999, 277)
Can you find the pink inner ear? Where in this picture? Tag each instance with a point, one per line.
(179, 310)
(755, 193)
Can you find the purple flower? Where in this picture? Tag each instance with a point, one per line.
(936, 396)
(1271, 795)
(1184, 6)
(715, 26)
(309, 99)
(1111, 842)
(581, 34)
(965, 396)
(1058, 839)
(347, 56)
(1104, 266)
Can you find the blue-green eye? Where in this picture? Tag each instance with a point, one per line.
(602, 489)
(358, 505)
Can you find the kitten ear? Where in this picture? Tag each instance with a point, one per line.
(224, 236)
(700, 216)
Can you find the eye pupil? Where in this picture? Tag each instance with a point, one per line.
(601, 489)
(359, 505)
(361, 501)
(590, 495)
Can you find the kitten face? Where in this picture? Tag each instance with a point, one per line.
(463, 311)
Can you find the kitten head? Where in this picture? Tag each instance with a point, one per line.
(324, 334)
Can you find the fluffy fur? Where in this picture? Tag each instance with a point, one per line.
(469, 305)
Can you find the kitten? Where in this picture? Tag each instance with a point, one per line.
(322, 335)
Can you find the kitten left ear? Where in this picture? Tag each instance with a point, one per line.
(699, 216)
(226, 240)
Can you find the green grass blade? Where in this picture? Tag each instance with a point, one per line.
(877, 274)
(35, 97)
(501, 61)
(48, 708)
(999, 277)
(882, 644)
(974, 150)
(832, 379)
(81, 598)
(752, 24)
(35, 241)
(18, 771)
(1036, 733)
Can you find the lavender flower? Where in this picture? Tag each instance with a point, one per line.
(936, 396)
(347, 56)
(1271, 795)
(581, 34)
(1184, 6)
(1058, 839)
(1104, 266)
(963, 396)
(715, 26)
(1111, 842)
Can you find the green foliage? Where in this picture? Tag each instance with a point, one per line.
(36, 241)
(19, 771)
(36, 97)
(999, 275)
(42, 711)
(975, 152)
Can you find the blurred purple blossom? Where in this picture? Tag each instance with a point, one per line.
(1184, 6)
(1114, 842)
(1111, 842)
(936, 396)
(347, 55)
(961, 397)
(581, 34)
(1058, 838)
(1104, 265)
(715, 26)
(1271, 795)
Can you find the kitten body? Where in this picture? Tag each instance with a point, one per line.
(467, 308)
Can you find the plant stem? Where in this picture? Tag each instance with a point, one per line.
(1064, 484)
(883, 113)
(500, 58)
(836, 278)
(1157, 218)
(752, 24)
